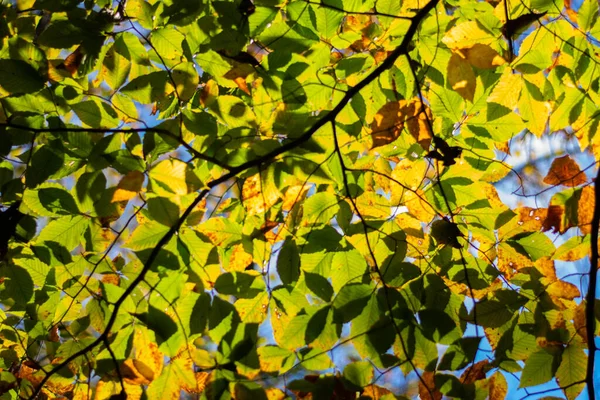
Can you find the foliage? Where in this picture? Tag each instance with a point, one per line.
(261, 199)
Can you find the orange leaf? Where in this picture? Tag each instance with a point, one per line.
(564, 170)
(241, 83)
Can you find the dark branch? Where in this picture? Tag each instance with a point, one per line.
(165, 132)
(590, 298)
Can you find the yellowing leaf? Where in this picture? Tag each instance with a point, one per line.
(507, 90)
(565, 171)
(482, 56)
(186, 80)
(169, 177)
(106, 389)
(555, 287)
(148, 361)
(461, 77)
(177, 375)
(294, 195)
(258, 196)
(239, 259)
(467, 34)
(129, 186)
(209, 93)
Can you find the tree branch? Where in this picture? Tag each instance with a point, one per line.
(161, 131)
(590, 298)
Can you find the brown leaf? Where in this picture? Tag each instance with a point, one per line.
(238, 74)
(374, 392)
(53, 335)
(570, 12)
(395, 116)
(498, 387)
(565, 171)
(475, 372)
(72, 62)
(585, 209)
(427, 389)
(553, 220)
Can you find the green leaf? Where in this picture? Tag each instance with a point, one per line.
(17, 287)
(50, 200)
(321, 207)
(540, 367)
(358, 374)
(537, 245)
(346, 267)
(146, 236)
(19, 77)
(572, 369)
(288, 262)
(351, 300)
(587, 15)
(66, 231)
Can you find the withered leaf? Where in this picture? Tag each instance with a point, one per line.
(565, 171)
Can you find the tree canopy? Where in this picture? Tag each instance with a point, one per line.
(327, 199)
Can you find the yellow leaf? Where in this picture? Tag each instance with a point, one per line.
(533, 110)
(129, 186)
(148, 359)
(169, 177)
(461, 77)
(274, 393)
(201, 379)
(178, 375)
(418, 206)
(253, 311)
(209, 93)
(482, 56)
(258, 196)
(507, 90)
(467, 34)
(239, 259)
(293, 195)
(186, 80)
(554, 286)
(106, 389)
